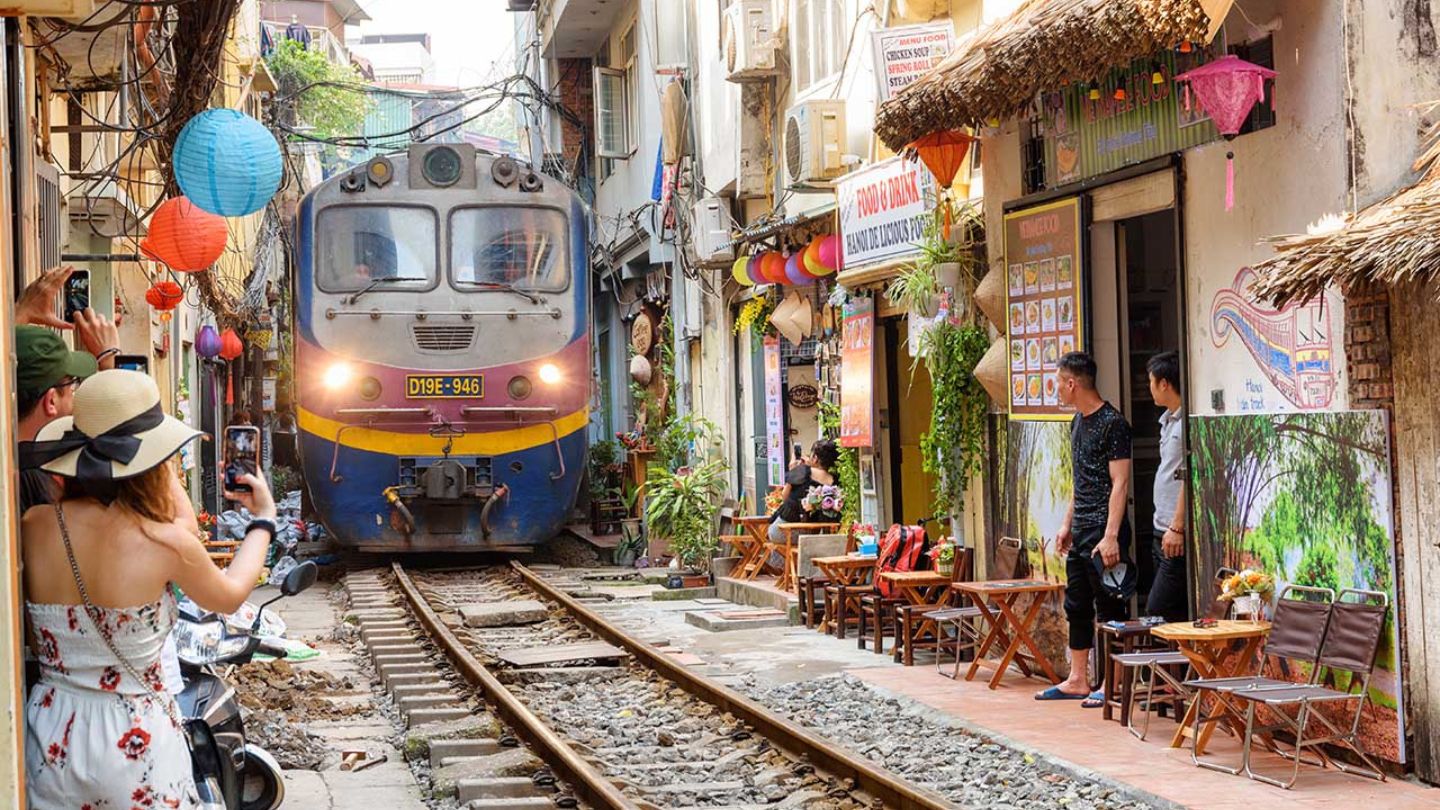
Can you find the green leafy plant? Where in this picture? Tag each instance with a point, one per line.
(284, 480)
(847, 465)
(684, 437)
(953, 449)
(682, 508)
(605, 468)
(314, 89)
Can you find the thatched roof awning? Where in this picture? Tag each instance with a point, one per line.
(1391, 242)
(1044, 45)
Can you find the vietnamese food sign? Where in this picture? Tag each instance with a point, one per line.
(883, 211)
(857, 374)
(904, 54)
(1044, 293)
(774, 413)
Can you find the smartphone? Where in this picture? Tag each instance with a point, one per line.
(77, 294)
(133, 362)
(798, 453)
(242, 455)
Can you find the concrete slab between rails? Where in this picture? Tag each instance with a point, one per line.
(499, 787)
(418, 741)
(678, 594)
(434, 687)
(420, 717)
(559, 675)
(722, 621)
(393, 679)
(510, 762)
(526, 803)
(436, 700)
(503, 614)
(443, 750)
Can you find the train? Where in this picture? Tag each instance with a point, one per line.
(442, 360)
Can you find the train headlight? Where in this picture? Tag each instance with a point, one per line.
(520, 387)
(550, 374)
(369, 388)
(442, 166)
(338, 375)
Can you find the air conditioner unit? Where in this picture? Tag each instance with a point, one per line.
(815, 141)
(750, 41)
(710, 228)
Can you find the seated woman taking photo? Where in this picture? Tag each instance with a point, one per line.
(101, 730)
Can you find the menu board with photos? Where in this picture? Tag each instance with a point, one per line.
(1044, 274)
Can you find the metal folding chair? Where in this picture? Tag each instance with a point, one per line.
(1297, 634)
(1351, 644)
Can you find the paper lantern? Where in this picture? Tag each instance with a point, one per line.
(944, 154)
(772, 266)
(830, 253)
(207, 342)
(813, 265)
(165, 296)
(227, 163)
(795, 271)
(1227, 89)
(184, 237)
(230, 345)
(752, 267)
(740, 274)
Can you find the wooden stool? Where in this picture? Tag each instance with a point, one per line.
(876, 614)
(837, 605)
(812, 596)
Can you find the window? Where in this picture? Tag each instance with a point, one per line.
(520, 247)
(672, 36)
(1262, 53)
(820, 39)
(359, 245)
(615, 106)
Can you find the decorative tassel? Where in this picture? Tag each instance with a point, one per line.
(229, 386)
(946, 230)
(1229, 180)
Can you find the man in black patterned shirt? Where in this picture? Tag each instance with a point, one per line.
(1096, 534)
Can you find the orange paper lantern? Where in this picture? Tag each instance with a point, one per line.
(165, 296)
(230, 345)
(943, 154)
(184, 237)
(772, 266)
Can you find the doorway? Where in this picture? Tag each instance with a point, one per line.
(909, 402)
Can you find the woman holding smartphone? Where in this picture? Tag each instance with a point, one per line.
(98, 566)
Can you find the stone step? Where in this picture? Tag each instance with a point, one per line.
(442, 751)
(420, 717)
(409, 703)
(497, 787)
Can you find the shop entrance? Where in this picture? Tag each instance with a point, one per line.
(1137, 313)
(909, 401)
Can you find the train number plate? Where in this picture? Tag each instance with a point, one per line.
(444, 386)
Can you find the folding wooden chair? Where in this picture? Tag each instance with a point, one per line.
(1010, 563)
(1297, 635)
(1351, 644)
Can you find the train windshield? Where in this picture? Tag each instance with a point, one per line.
(519, 247)
(360, 244)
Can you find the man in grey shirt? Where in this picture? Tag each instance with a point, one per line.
(1169, 592)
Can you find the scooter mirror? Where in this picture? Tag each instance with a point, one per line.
(300, 577)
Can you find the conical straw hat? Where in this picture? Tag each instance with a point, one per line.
(993, 371)
(793, 317)
(990, 296)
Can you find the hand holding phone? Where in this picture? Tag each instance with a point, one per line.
(77, 294)
(242, 456)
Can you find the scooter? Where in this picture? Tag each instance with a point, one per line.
(230, 774)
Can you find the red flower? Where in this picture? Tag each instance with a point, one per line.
(110, 679)
(54, 752)
(135, 743)
(153, 678)
(73, 618)
(48, 699)
(138, 795)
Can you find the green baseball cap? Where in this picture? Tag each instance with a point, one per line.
(43, 360)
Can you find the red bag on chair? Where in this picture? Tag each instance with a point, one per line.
(899, 551)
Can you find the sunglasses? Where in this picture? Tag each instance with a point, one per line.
(65, 383)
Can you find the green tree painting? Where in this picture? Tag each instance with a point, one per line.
(1305, 497)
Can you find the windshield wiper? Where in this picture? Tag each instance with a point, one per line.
(372, 285)
(510, 288)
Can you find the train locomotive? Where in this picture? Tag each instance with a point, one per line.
(442, 352)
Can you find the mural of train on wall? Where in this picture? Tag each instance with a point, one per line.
(1292, 345)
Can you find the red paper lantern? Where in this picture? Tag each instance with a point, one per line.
(772, 266)
(184, 237)
(230, 345)
(164, 296)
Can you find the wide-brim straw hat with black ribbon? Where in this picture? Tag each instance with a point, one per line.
(118, 431)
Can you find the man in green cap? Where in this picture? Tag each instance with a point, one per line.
(46, 375)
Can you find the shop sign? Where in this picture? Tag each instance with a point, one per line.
(1085, 137)
(883, 211)
(1044, 293)
(774, 413)
(904, 54)
(267, 394)
(857, 374)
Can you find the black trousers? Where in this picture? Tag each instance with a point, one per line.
(1169, 592)
(1085, 598)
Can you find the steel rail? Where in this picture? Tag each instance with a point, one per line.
(590, 785)
(892, 791)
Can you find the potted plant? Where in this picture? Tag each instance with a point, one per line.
(632, 530)
(944, 556)
(1249, 591)
(682, 508)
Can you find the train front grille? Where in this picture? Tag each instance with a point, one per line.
(442, 337)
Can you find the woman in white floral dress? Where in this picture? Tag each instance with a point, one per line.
(102, 732)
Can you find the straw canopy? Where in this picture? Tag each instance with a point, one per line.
(1044, 45)
(1390, 242)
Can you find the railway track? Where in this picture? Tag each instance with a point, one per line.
(616, 722)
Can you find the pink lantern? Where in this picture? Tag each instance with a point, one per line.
(752, 269)
(830, 252)
(1227, 89)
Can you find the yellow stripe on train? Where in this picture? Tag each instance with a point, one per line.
(492, 443)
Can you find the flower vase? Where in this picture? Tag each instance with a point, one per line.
(1248, 606)
(946, 568)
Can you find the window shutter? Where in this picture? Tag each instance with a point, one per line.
(611, 113)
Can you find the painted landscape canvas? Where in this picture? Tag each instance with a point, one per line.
(1307, 498)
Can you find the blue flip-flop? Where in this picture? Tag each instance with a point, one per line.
(1054, 693)
(1094, 700)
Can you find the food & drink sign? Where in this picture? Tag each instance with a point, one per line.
(883, 211)
(1044, 293)
(904, 54)
(857, 374)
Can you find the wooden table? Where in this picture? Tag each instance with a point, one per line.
(789, 553)
(921, 588)
(754, 554)
(846, 571)
(1226, 650)
(1009, 627)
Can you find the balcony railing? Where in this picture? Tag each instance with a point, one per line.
(320, 40)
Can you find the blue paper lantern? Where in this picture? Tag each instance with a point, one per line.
(227, 163)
